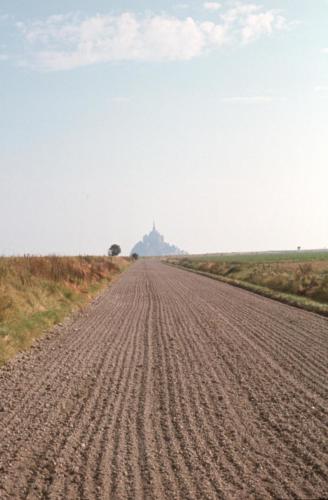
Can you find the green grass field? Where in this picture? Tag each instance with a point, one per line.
(266, 257)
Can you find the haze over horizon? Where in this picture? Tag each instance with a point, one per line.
(209, 117)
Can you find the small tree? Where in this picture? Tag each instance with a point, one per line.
(135, 256)
(114, 250)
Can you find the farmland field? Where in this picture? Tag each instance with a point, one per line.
(170, 386)
(267, 257)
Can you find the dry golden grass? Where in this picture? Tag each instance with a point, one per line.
(37, 292)
(307, 281)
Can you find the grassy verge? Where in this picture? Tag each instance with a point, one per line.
(38, 292)
(301, 284)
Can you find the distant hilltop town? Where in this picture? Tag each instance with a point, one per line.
(153, 245)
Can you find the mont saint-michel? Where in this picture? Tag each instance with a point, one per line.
(153, 245)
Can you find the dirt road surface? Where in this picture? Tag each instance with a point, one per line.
(170, 385)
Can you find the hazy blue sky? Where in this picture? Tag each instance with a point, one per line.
(211, 118)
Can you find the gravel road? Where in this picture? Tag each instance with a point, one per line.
(170, 385)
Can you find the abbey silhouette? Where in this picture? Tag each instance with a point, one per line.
(153, 245)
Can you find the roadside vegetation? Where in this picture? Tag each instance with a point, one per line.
(299, 278)
(38, 292)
